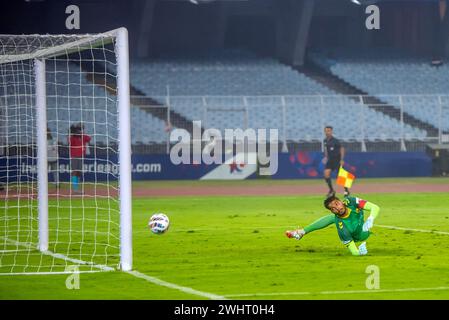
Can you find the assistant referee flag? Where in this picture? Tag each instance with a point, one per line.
(345, 178)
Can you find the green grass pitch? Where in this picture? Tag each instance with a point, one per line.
(236, 247)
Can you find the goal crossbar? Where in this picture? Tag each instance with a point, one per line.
(85, 41)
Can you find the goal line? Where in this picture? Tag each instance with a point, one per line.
(30, 247)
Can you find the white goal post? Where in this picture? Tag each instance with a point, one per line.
(51, 86)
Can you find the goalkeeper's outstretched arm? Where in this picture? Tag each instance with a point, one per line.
(374, 212)
(360, 251)
(321, 223)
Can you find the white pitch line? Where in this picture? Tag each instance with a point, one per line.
(411, 229)
(135, 273)
(334, 292)
(50, 273)
(166, 284)
(59, 256)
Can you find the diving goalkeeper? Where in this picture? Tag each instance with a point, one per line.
(348, 216)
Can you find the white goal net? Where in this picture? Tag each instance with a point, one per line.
(64, 153)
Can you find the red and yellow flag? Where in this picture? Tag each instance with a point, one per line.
(345, 178)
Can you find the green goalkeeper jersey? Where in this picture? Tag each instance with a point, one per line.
(350, 226)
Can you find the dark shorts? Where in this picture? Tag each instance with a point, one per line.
(333, 165)
(76, 164)
(53, 165)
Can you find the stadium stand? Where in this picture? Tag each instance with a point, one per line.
(236, 89)
(384, 73)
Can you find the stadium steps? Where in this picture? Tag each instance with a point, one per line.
(138, 98)
(340, 86)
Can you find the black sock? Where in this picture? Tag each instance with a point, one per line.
(329, 183)
(347, 190)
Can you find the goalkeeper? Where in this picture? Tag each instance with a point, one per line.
(348, 216)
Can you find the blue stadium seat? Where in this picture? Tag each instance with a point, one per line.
(202, 87)
(72, 98)
(388, 72)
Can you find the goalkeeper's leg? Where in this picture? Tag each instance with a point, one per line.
(363, 236)
(321, 223)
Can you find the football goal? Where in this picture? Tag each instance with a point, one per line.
(65, 153)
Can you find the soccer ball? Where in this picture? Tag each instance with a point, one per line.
(159, 223)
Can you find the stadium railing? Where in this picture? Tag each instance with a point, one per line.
(363, 123)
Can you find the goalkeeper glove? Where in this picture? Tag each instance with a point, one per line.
(368, 224)
(362, 249)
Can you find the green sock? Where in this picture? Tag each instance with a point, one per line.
(321, 223)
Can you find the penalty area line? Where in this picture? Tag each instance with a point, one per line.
(411, 229)
(166, 284)
(268, 294)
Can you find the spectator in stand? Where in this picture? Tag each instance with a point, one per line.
(78, 141)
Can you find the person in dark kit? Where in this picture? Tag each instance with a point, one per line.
(53, 157)
(334, 155)
(441, 34)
